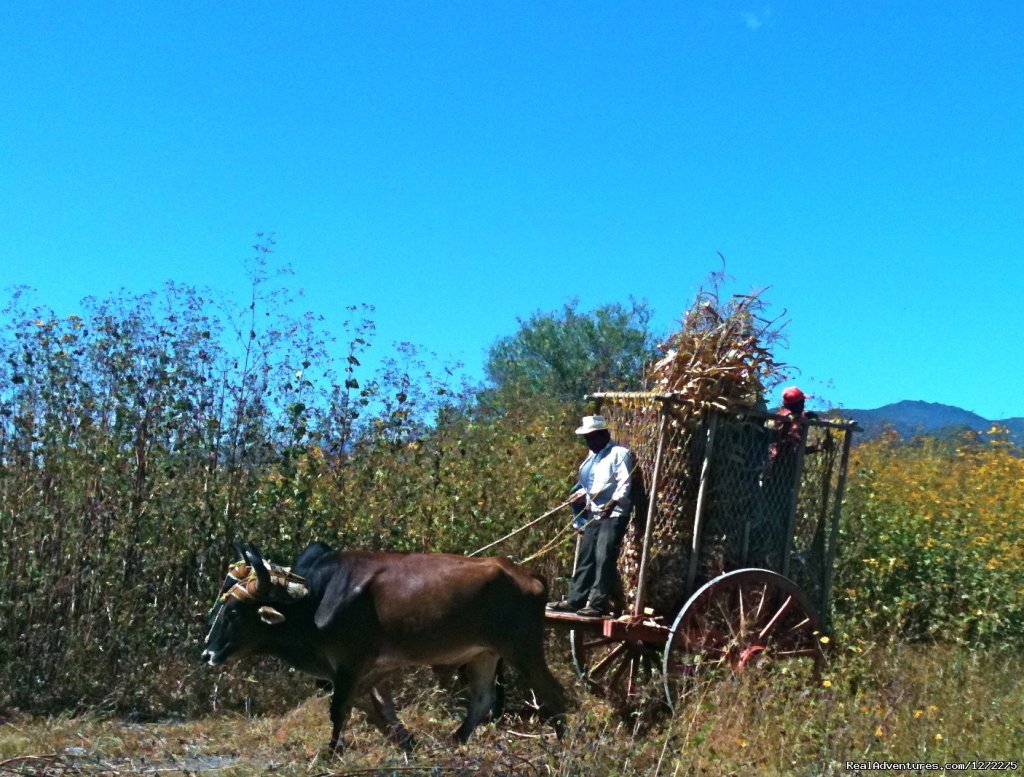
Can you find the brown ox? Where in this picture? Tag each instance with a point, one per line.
(356, 616)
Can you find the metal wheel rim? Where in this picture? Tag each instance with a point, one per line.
(782, 606)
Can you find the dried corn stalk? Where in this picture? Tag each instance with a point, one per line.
(719, 359)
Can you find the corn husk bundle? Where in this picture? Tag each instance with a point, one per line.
(719, 360)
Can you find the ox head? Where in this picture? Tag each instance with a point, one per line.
(245, 607)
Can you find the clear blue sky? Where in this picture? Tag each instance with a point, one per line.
(459, 164)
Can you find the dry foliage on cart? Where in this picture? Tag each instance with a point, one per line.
(719, 360)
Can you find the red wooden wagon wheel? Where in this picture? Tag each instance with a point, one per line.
(616, 669)
(742, 619)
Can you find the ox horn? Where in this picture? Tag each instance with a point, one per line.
(270, 616)
(255, 558)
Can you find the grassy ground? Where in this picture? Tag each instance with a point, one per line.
(899, 703)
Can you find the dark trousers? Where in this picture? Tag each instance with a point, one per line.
(596, 568)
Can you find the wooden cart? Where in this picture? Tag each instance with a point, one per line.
(729, 558)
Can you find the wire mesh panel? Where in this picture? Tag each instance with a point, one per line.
(745, 508)
(772, 501)
(771, 496)
(816, 518)
(635, 422)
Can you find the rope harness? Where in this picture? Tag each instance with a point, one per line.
(591, 508)
(242, 584)
(522, 528)
(247, 581)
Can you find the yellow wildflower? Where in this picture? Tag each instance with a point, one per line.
(827, 683)
(918, 713)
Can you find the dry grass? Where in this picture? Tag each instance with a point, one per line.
(925, 703)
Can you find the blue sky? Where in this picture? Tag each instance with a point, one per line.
(461, 164)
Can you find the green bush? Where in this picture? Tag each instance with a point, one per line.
(932, 543)
(140, 439)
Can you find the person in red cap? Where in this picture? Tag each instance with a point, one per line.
(781, 476)
(790, 434)
(793, 398)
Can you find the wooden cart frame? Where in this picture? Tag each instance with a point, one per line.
(749, 576)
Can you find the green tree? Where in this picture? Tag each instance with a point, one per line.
(564, 354)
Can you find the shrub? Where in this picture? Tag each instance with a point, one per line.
(932, 542)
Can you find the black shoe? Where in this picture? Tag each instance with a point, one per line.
(591, 612)
(561, 606)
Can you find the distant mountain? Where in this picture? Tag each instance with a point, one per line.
(913, 417)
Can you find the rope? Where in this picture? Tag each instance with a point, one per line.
(521, 528)
(590, 505)
(549, 544)
(554, 541)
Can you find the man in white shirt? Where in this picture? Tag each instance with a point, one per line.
(603, 498)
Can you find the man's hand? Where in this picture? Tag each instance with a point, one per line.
(607, 509)
(578, 499)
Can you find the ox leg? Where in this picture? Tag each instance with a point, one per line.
(341, 707)
(445, 674)
(534, 666)
(382, 714)
(454, 679)
(499, 692)
(480, 673)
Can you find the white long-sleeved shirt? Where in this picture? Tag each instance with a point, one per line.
(607, 475)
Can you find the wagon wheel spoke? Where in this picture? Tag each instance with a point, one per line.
(620, 669)
(810, 652)
(595, 643)
(767, 630)
(642, 669)
(703, 633)
(795, 634)
(603, 665)
(743, 614)
(761, 602)
(617, 670)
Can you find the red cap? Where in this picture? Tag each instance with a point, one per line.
(793, 396)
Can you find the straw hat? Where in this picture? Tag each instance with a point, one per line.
(592, 423)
